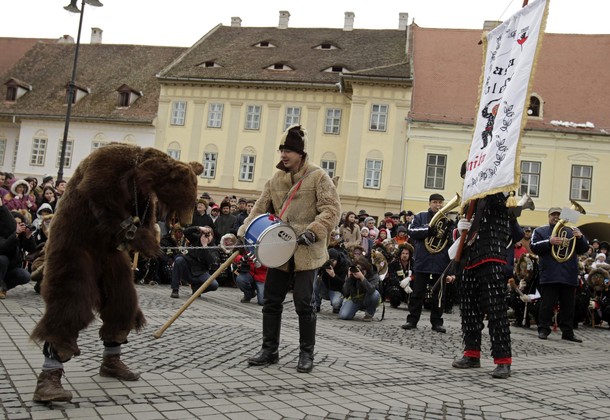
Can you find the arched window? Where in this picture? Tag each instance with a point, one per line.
(535, 107)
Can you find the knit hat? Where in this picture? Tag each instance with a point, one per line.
(47, 178)
(333, 254)
(295, 139)
(369, 219)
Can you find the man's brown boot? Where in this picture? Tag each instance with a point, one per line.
(48, 387)
(113, 367)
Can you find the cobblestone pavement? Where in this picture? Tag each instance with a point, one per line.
(374, 370)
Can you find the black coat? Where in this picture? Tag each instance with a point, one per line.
(11, 245)
(200, 260)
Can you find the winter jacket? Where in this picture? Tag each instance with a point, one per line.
(357, 290)
(200, 261)
(314, 207)
(11, 245)
(551, 271)
(426, 262)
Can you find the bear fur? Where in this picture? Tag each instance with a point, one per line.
(87, 266)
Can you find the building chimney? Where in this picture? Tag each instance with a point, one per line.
(65, 39)
(349, 21)
(236, 22)
(488, 25)
(403, 21)
(284, 16)
(96, 35)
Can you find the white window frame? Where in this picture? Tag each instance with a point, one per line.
(174, 153)
(39, 151)
(581, 180)
(329, 166)
(333, 121)
(97, 144)
(67, 156)
(178, 113)
(210, 160)
(529, 182)
(372, 173)
(253, 117)
(379, 117)
(436, 170)
(2, 150)
(246, 168)
(292, 117)
(215, 115)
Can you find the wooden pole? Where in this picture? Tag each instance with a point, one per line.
(195, 295)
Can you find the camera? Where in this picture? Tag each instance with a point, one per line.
(328, 264)
(354, 269)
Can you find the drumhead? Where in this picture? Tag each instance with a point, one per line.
(276, 245)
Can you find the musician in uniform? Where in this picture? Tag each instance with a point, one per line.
(428, 265)
(306, 199)
(558, 276)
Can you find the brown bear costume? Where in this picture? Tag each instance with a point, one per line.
(108, 209)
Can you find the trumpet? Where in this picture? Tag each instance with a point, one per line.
(565, 251)
(438, 242)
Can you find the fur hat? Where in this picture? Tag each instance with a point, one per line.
(295, 139)
(408, 246)
(225, 203)
(20, 182)
(202, 201)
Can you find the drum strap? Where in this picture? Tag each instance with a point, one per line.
(294, 191)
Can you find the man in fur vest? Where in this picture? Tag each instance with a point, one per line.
(313, 212)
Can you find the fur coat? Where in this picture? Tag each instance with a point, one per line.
(315, 207)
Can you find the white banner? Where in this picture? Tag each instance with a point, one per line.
(492, 164)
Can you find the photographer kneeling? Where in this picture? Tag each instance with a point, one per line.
(331, 278)
(360, 291)
(198, 262)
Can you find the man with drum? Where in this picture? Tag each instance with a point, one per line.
(305, 198)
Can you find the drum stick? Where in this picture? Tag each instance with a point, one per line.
(134, 265)
(195, 295)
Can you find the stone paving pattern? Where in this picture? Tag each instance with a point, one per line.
(373, 370)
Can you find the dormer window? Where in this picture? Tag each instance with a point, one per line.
(127, 96)
(15, 89)
(535, 107)
(326, 46)
(336, 69)
(79, 93)
(264, 44)
(280, 67)
(209, 64)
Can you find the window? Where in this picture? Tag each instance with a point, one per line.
(2, 150)
(39, 149)
(333, 121)
(329, 166)
(173, 150)
(178, 113)
(97, 144)
(124, 98)
(293, 116)
(253, 117)
(11, 93)
(215, 115)
(246, 169)
(530, 178)
(436, 167)
(280, 67)
(534, 108)
(264, 44)
(209, 165)
(372, 174)
(581, 182)
(379, 117)
(67, 156)
(336, 69)
(326, 46)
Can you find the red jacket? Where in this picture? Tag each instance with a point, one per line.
(258, 273)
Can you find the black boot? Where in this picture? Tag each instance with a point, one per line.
(307, 340)
(467, 362)
(268, 354)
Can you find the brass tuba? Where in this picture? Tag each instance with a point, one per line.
(565, 251)
(438, 242)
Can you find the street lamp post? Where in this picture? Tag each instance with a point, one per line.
(71, 87)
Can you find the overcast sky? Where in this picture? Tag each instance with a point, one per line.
(183, 22)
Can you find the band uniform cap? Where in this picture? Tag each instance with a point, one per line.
(295, 139)
(554, 210)
(436, 196)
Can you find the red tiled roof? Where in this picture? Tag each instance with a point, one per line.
(571, 78)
